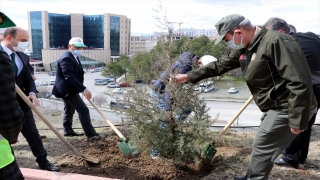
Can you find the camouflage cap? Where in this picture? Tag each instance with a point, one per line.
(226, 24)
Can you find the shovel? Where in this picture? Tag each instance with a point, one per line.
(235, 116)
(124, 146)
(32, 106)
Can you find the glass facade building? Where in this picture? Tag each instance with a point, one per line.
(93, 34)
(59, 30)
(115, 35)
(37, 36)
(85, 62)
(106, 36)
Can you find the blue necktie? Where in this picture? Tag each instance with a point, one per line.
(14, 65)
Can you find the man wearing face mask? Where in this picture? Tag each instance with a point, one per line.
(277, 74)
(68, 85)
(14, 43)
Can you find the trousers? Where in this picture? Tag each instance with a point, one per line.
(272, 137)
(298, 149)
(71, 104)
(31, 133)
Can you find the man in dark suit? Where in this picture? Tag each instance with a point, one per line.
(11, 119)
(68, 85)
(15, 41)
(297, 151)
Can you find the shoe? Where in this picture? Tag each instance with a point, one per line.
(43, 137)
(241, 177)
(96, 136)
(49, 167)
(284, 162)
(71, 134)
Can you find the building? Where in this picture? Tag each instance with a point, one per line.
(137, 44)
(106, 35)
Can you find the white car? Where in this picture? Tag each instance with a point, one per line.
(208, 89)
(233, 90)
(117, 90)
(197, 88)
(113, 85)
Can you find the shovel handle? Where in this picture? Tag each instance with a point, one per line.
(33, 107)
(236, 115)
(106, 119)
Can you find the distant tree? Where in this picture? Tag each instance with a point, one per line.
(100, 99)
(141, 66)
(114, 69)
(125, 63)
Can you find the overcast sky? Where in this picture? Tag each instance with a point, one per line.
(199, 14)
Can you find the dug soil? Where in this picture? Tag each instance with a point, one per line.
(231, 159)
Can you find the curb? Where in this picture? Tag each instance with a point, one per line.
(35, 174)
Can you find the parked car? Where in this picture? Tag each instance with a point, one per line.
(197, 88)
(205, 84)
(138, 81)
(51, 82)
(113, 85)
(96, 70)
(44, 83)
(51, 73)
(233, 90)
(117, 105)
(100, 82)
(209, 88)
(37, 83)
(110, 79)
(126, 84)
(117, 90)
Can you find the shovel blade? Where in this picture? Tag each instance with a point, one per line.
(127, 149)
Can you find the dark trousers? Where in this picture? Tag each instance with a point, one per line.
(71, 104)
(31, 133)
(11, 171)
(298, 149)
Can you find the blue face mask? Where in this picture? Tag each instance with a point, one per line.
(232, 45)
(77, 52)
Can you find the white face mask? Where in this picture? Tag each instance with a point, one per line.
(232, 45)
(21, 46)
(77, 52)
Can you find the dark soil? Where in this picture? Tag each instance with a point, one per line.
(232, 158)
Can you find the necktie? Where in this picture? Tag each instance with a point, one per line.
(14, 65)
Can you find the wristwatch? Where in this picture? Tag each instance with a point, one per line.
(30, 93)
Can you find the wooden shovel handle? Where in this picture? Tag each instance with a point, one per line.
(33, 107)
(106, 119)
(236, 115)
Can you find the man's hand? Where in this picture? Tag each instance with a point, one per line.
(33, 77)
(33, 98)
(296, 131)
(87, 94)
(180, 78)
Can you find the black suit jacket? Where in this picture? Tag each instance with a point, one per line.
(24, 80)
(11, 116)
(69, 76)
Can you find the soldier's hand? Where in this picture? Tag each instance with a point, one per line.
(296, 131)
(179, 78)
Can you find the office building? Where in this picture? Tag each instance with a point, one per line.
(106, 35)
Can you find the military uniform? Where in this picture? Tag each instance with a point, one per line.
(277, 74)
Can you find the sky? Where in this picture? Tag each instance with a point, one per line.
(199, 14)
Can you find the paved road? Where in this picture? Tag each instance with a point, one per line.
(219, 101)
